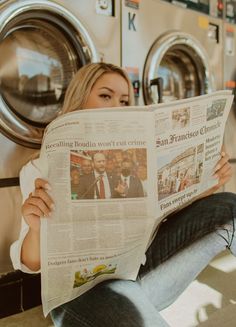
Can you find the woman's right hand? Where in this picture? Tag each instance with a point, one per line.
(38, 204)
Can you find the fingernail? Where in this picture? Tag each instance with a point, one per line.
(48, 187)
(52, 206)
(215, 176)
(222, 154)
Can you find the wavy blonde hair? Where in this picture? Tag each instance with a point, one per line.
(83, 81)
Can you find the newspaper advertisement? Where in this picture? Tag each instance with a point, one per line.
(115, 173)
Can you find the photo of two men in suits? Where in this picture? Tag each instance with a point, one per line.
(101, 184)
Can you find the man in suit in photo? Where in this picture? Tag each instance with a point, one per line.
(98, 184)
(128, 185)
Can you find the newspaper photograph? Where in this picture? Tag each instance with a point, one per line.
(115, 174)
(189, 138)
(121, 167)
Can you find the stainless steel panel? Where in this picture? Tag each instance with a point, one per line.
(10, 204)
(103, 29)
(230, 83)
(13, 157)
(141, 28)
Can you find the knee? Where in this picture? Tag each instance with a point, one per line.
(228, 234)
(224, 204)
(230, 197)
(225, 198)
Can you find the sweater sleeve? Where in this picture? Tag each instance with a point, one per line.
(28, 174)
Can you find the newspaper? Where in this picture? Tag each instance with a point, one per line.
(155, 159)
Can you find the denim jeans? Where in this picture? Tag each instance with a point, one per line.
(182, 248)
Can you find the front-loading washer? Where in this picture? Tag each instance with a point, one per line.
(42, 44)
(170, 49)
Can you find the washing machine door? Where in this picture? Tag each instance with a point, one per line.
(176, 67)
(42, 45)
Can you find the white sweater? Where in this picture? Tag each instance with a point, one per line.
(28, 174)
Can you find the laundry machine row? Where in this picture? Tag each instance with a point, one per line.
(42, 44)
(172, 52)
(229, 39)
(177, 47)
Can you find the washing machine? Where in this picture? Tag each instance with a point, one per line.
(229, 34)
(229, 37)
(42, 44)
(170, 52)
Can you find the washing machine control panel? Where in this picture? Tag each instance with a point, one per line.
(230, 11)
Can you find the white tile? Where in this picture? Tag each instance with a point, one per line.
(210, 300)
(29, 318)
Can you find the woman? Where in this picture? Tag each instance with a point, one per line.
(183, 246)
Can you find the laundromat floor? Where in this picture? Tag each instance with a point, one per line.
(209, 301)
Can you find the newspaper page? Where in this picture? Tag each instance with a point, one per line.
(189, 137)
(96, 232)
(115, 174)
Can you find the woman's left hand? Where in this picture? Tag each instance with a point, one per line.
(223, 171)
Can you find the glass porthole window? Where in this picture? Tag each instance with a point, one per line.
(182, 64)
(41, 48)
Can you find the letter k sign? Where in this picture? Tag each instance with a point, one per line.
(131, 18)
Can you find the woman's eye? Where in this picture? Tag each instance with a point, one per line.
(124, 103)
(105, 96)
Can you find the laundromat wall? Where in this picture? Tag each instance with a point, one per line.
(116, 31)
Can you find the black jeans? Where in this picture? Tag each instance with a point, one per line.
(183, 227)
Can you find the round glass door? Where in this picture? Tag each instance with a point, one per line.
(40, 52)
(176, 68)
(35, 70)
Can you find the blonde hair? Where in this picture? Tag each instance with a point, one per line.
(83, 81)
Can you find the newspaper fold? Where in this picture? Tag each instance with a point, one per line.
(153, 160)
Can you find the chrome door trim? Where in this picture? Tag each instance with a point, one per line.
(160, 48)
(11, 125)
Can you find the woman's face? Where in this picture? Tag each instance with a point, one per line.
(110, 90)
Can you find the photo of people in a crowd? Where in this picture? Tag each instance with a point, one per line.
(180, 118)
(216, 109)
(106, 174)
(179, 172)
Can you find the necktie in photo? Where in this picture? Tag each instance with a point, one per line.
(101, 188)
(126, 186)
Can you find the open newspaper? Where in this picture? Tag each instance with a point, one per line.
(115, 174)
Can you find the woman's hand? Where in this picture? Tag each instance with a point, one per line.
(223, 171)
(38, 204)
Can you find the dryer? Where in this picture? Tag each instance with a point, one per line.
(229, 35)
(181, 46)
(230, 83)
(42, 44)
